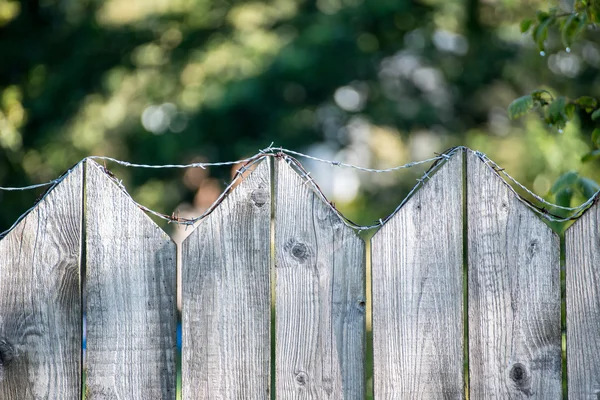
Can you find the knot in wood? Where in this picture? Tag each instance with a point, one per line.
(361, 305)
(521, 378)
(532, 247)
(298, 250)
(518, 373)
(301, 378)
(259, 197)
(7, 352)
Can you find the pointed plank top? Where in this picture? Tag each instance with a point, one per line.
(65, 187)
(98, 178)
(454, 163)
(303, 187)
(497, 188)
(253, 190)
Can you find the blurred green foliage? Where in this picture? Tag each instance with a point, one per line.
(571, 21)
(377, 83)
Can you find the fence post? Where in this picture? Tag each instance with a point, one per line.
(417, 272)
(226, 349)
(582, 243)
(131, 296)
(40, 298)
(320, 295)
(514, 293)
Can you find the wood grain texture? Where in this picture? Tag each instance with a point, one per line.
(514, 293)
(131, 303)
(227, 297)
(320, 296)
(583, 305)
(40, 298)
(417, 272)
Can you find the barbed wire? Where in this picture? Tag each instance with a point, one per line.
(167, 166)
(53, 183)
(287, 154)
(248, 163)
(39, 185)
(495, 166)
(576, 212)
(342, 164)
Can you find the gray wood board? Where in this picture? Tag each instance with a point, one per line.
(131, 303)
(320, 296)
(514, 293)
(40, 298)
(583, 305)
(417, 283)
(227, 296)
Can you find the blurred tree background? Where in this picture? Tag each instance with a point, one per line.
(375, 83)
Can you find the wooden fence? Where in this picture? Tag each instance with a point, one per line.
(463, 274)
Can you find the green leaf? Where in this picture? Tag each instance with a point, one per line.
(570, 110)
(563, 197)
(558, 105)
(540, 33)
(538, 95)
(596, 115)
(587, 187)
(588, 103)
(556, 113)
(581, 26)
(542, 15)
(591, 156)
(568, 30)
(564, 181)
(594, 11)
(520, 106)
(525, 25)
(596, 137)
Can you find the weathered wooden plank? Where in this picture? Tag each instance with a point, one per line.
(582, 243)
(40, 298)
(320, 296)
(417, 272)
(227, 296)
(131, 303)
(514, 293)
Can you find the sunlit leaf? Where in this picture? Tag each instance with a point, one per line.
(525, 25)
(588, 103)
(539, 94)
(564, 181)
(520, 106)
